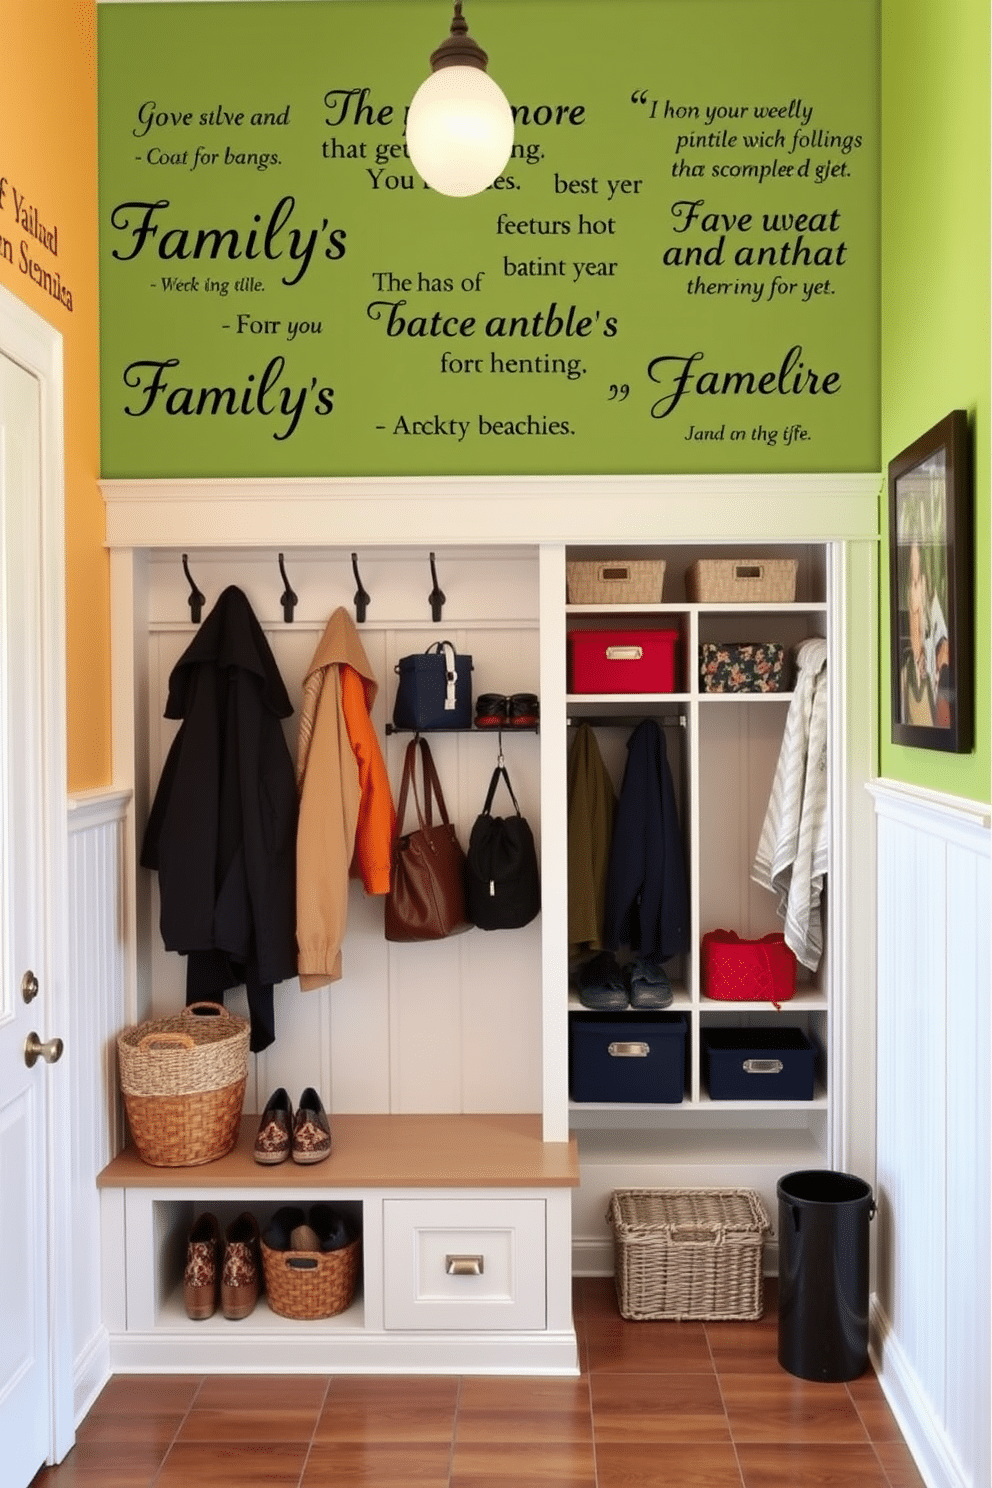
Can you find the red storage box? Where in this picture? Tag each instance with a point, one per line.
(623, 660)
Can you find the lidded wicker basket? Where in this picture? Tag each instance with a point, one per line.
(183, 1081)
(310, 1283)
(688, 1252)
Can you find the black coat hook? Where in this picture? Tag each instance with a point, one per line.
(437, 595)
(196, 599)
(362, 597)
(289, 599)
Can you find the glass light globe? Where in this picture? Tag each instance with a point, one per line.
(459, 130)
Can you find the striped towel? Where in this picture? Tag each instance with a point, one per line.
(791, 860)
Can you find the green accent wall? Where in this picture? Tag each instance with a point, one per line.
(935, 305)
(676, 271)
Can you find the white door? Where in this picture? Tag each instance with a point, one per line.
(26, 962)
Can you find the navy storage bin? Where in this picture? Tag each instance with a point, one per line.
(634, 1059)
(758, 1063)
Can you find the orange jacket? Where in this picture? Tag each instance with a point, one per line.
(347, 818)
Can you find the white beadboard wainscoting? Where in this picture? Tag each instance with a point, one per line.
(931, 1312)
(96, 952)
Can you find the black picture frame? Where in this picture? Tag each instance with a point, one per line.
(930, 589)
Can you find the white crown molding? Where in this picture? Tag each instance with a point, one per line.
(513, 509)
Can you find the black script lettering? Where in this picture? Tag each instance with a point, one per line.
(139, 219)
(543, 114)
(793, 377)
(267, 398)
(418, 326)
(351, 106)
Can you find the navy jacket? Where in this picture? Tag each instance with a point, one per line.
(647, 901)
(222, 828)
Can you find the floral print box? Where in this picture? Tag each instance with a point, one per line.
(741, 667)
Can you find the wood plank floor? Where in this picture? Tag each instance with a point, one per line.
(657, 1405)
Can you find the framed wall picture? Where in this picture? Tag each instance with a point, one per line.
(930, 562)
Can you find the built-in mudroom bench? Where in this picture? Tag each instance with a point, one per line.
(457, 1216)
(444, 1066)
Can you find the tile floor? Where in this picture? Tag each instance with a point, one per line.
(657, 1405)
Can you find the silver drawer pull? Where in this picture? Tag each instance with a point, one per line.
(763, 1066)
(628, 1051)
(464, 1265)
(624, 653)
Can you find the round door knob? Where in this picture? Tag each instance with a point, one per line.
(50, 1051)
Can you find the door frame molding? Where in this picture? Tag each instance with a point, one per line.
(29, 340)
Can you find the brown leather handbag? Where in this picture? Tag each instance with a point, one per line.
(426, 899)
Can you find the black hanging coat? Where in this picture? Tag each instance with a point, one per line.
(647, 900)
(222, 828)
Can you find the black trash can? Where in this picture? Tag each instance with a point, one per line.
(823, 1220)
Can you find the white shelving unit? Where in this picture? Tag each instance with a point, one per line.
(723, 749)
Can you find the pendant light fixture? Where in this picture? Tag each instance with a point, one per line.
(459, 126)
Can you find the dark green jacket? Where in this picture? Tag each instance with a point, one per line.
(592, 805)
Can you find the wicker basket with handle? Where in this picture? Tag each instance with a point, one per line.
(310, 1283)
(183, 1081)
(742, 580)
(688, 1252)
(620, 581)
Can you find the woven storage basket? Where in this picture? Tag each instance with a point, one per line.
(620, 581)
(183, 1081)
(741, 580)
(310, 1283)
(688, 1252)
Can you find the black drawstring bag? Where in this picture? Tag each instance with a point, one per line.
(502, 884)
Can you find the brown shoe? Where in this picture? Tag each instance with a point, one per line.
(239, 1282)
(311, 1129)
(274, 1140)
(202, 1268)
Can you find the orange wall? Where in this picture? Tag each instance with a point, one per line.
(48, 153)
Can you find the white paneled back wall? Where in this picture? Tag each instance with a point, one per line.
(932, 1313)
(408, 1028)
(96, 1003)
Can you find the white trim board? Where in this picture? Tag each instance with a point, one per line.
(510, 510)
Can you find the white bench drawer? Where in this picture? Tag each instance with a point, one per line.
(464, 1263)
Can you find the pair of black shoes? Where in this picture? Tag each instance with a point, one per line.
(605, 985)
(496, 710)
